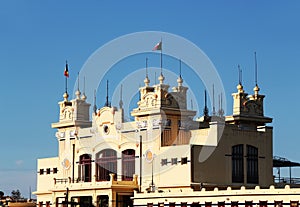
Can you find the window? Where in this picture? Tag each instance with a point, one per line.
(195, 204)
(172, 204)
(294, 203)
(263, 203)
(160, 204)
(128, 164)
(55, 170)
(221, 204)
(252, 164)
(174, 161)
(183, 204)
(102, 201)
(278, 203)
(48, 171)
(184, 160)
(248, 203)
(106, 163)
(234, 204)
(84, 168)
(41, 171)
(208, 204)
(47, 203)
(164, 162)
(237, 164)
(149, 204)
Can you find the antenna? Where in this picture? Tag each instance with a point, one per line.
(255, 68)
(205, 111)
(180, 68)
(107, 102)
(214, 110)
(95, 106)
(78, 81)
(146, 67)
(121, 102)
(240, 75)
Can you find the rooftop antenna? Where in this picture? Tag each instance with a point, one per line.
(77, 93)
(107, 102)
(205, 111)
(180, 68)
(146, 81)
(95, 106)
(121, 102)
(214, 110)
(240, 75)
(255, 69)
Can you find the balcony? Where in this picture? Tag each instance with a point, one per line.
(79, 183)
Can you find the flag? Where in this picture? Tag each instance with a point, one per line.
(66, 72)
(158, 46)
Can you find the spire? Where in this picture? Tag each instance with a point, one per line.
(205, 110)
(161, 78)
(83, 97)
(146, 81)
(95, 106)
(121, 102)
(107, 102)
(214, 109)
(256, 88)
(240, 86)
(77, 93)
(179, 80)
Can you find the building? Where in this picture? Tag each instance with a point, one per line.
(165, 156)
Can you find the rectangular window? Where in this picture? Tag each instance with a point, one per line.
(41, 171)
(294, 203)
(221, 204)
(160, 204)
(164, 162)
(195, 204)
(234, 204)
(237, 164)
(171, 204)
(208, 204)
(252, 164)
(184, 160)
(248, 203)
(47, 203)
(40, 203)
(183, 204)
(48, 171)
(278, 203)
(263, 203)
(54, 170)
(149, 204)
(174, 161)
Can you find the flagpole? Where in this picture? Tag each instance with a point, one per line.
(66, 85)
(161, 57)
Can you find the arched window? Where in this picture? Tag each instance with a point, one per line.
(237, 164)
(106, 163)
(128, 164)
(84, 168)
(252, 164)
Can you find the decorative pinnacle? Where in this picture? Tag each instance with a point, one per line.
(256, 90)
(77, 93)
(66, 96)
(161, 79)
(146, 81)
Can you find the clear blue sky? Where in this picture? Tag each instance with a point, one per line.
(36, 37)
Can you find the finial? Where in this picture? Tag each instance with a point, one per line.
(95, 106)
(107, 102)
(255, 68)
(66, 96)
(121, 102)
(83, 97)
(146, 81)
(161, 79)
(77, 93)
(205, 110)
